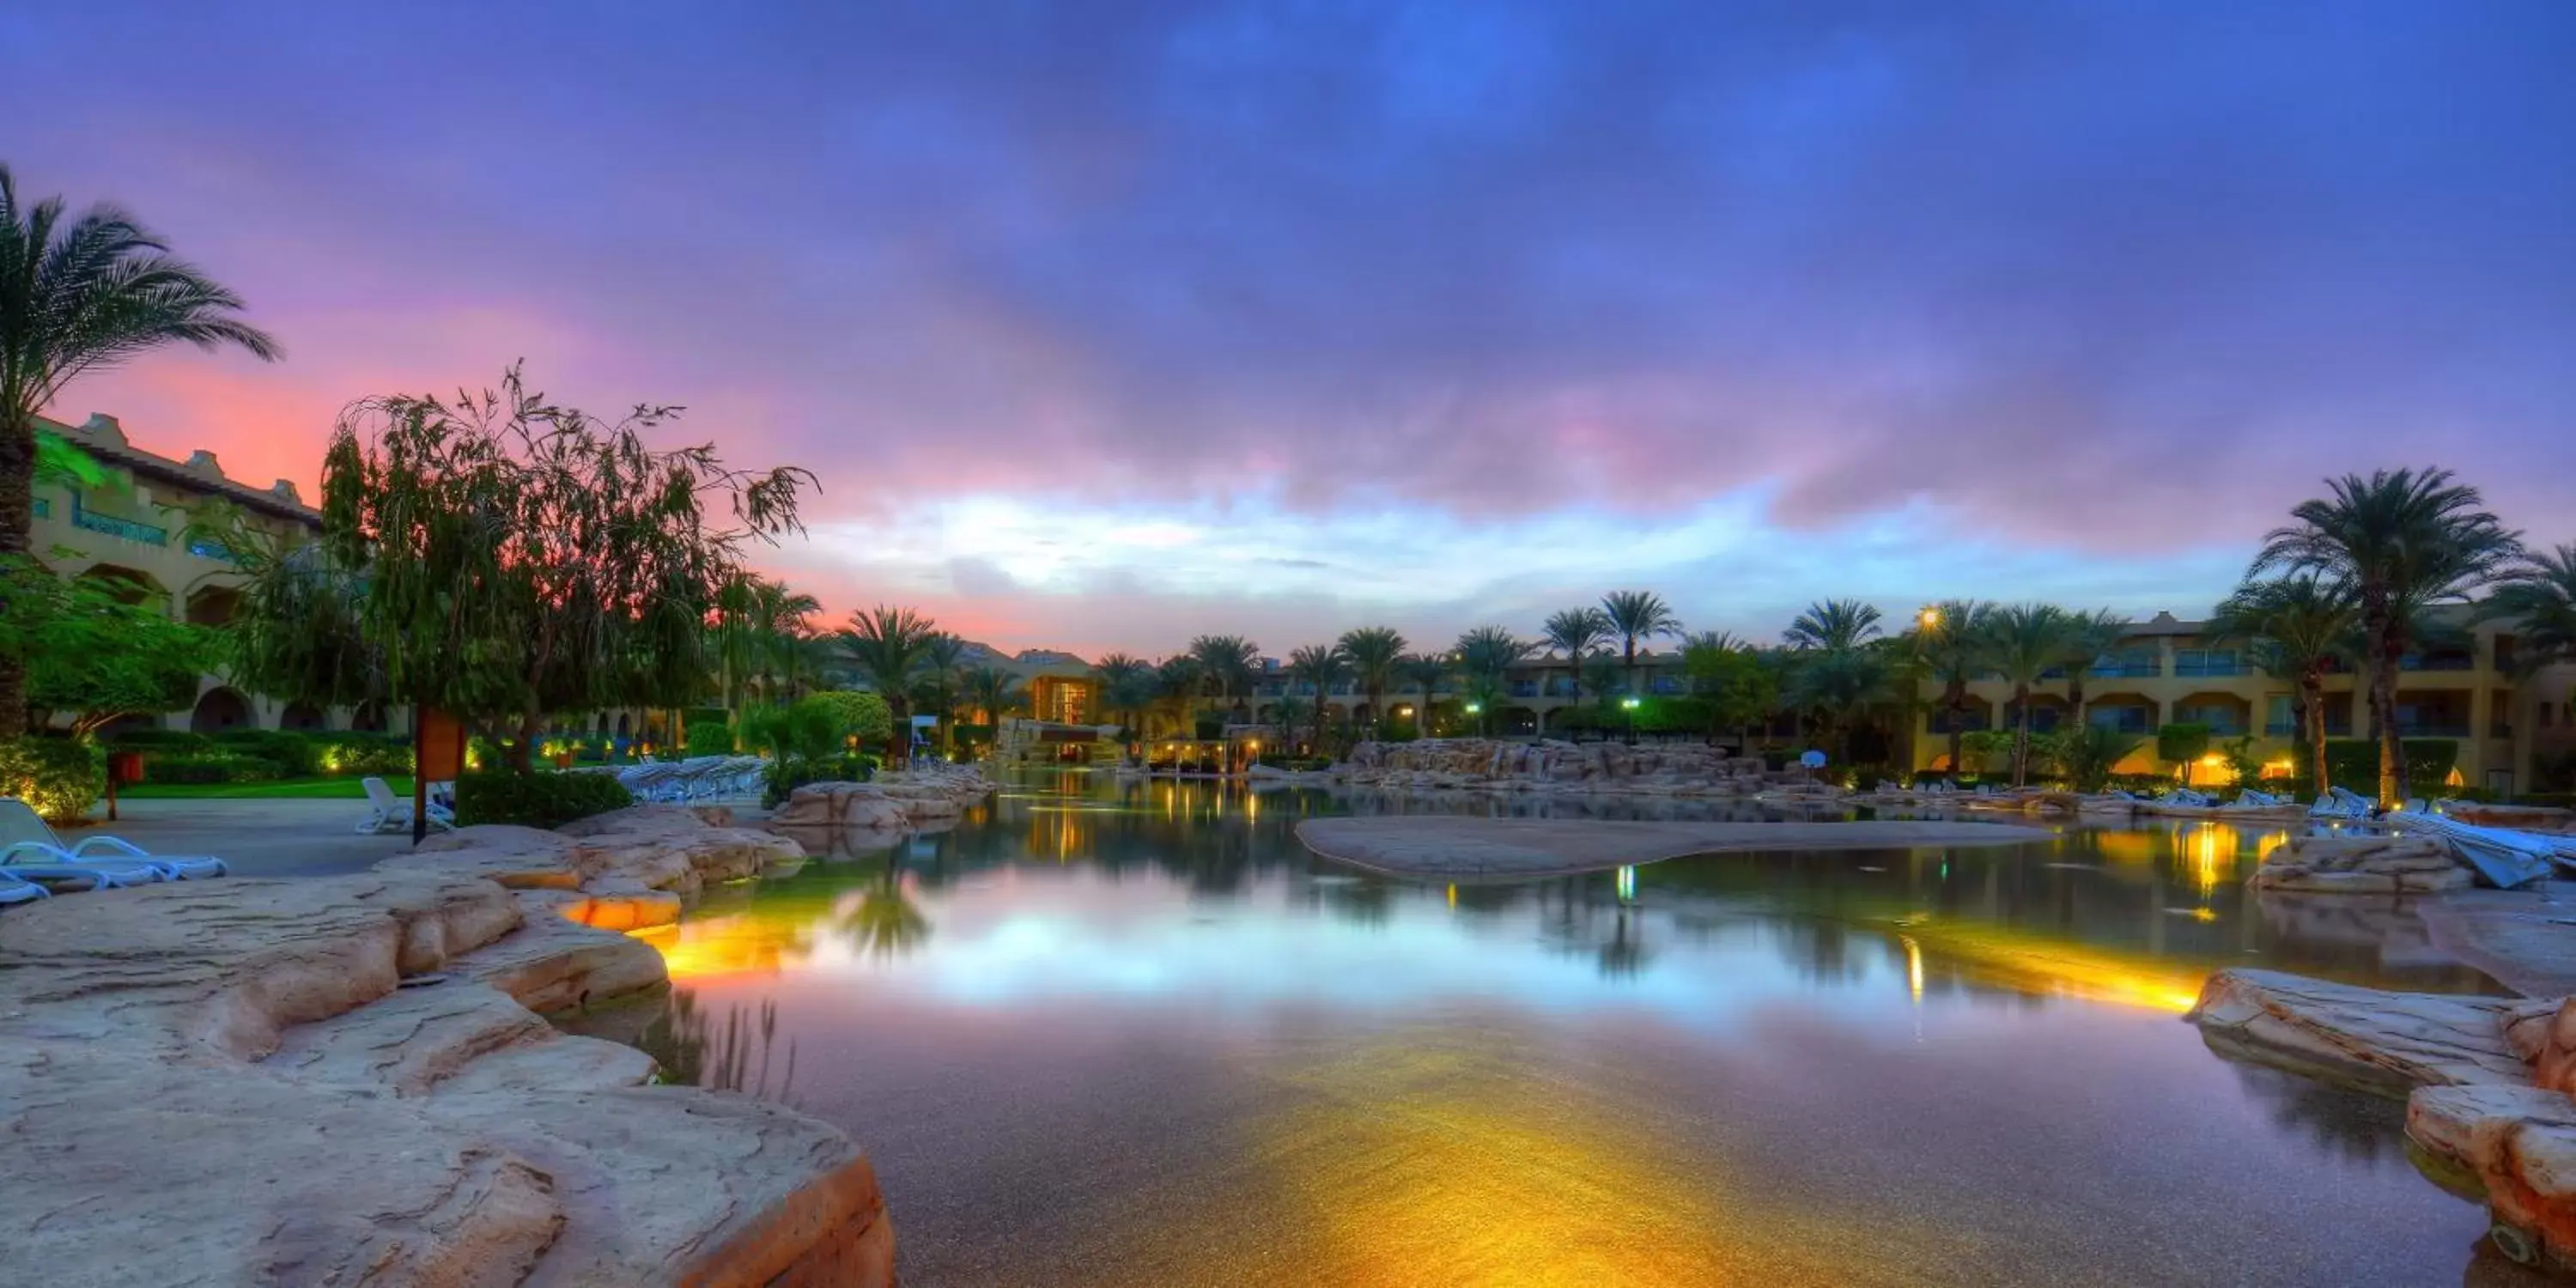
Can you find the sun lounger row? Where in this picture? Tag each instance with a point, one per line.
(34, 862)
(696, 779)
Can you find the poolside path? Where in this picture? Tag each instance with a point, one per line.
(1514, 848)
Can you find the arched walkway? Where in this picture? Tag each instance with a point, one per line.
(220, 710)
(303, 717)
(213, 605)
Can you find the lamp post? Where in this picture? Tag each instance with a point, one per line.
(1629, 704)
(1477, 709)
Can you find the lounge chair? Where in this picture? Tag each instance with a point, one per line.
(390, 813)
(28, 851)
(15, 889)
(26, 832)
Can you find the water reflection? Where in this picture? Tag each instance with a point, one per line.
(1829, 1068)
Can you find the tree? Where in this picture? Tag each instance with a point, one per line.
(1951, 639)
(992, 691)
(855, 714)
(1636, 615)
(1484, 654)
(2088, 637)
(76, 297)
(512, 558)
(1575, 632)
(935, 683)
(93, 655)
(1228, 662)
(1599, 673)
(888, 646)
(1837, 686)
(1426, 672)
(2182, 745)
(1724, 671)
(2024, 641)
(1375, 652)
(2300, 629)
(1180, 680)
(760, 632)
(1834, 624)
(1323, 666)
(2399, 539)
(1126, 689)
(2540, 599)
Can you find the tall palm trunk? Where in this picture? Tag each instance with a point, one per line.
(1954, 699)
(2387, 630)
(17, 526)
(2074, 699)
(2021, 734)
(2312, 691)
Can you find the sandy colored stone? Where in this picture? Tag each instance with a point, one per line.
(2519, 1143)
(2387, 1043)
(2362, 864)
(1589, 768)
(1436, 846)
(218, 1083)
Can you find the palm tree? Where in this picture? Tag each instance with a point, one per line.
(1575, 632)
(992, 691)
(78, 297)
(2540, 599)
(1951, 639)
(1126, 687)
(887, 645)
(1375, 652)
(2088, 637)
(1180, 680)
(943, 657)
(1636, 615)
(2024, 641)
(1321, 665)
(2300, 629)
(1714, 661)
(1484, 654)
(1834, 625)
(1228, 661)
(1427, 672)
(1836, 687)
(2397, 539)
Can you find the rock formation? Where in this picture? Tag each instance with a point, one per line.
(889, 802)
(2362, 864)
(346, 1080)
(2486, 1082)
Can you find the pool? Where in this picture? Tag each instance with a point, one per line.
(1110, 1033)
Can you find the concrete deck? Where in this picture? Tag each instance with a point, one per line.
(1516, 848)
(257, 838)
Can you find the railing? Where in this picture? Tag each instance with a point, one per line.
(2437, 662)
(1524, 688)
(2118, 721)
(2280, 728)
(204, 549)
(2210, 668)
(122, 529)
(2431, 729)
(2126, 670)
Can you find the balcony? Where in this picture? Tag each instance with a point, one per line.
(2214, 667)
(2280, 728)
(121, 529)
(2129, 720)
(2126, 670)
(2431, 729)
(215, 550)
(1524, 688)
(2437, 662)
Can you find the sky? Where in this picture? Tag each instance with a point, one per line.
(1103, 325)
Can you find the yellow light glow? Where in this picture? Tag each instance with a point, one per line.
(1913, 967)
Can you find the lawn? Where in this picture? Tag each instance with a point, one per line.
(352, 788)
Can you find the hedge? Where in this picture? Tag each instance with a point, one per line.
(539, 799)
(710, 738)
(59, 778)
(210, 767)
(151, 739)
(2354, 763)
(787, 773)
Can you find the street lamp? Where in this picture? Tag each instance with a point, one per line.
(1477, 709)
(1629, 704)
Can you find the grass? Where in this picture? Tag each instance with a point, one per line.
(351, 788)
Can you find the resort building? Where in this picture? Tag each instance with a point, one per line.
(130, 535)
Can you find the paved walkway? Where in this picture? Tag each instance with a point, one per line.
(258, 838)
(1514, 848)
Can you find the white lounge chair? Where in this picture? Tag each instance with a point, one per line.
(26, 832)
(387, 812)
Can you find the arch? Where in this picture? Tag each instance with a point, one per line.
(2226, 714)
(126, 724)
(213, 605)
(623, 729)
(368, 717)
(1976, 714)
(126, 585)
(2123, 712)
(303, 717)
(2047, 712)
(219, 709)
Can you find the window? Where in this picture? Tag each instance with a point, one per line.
(2207, 661)
(2280, 719)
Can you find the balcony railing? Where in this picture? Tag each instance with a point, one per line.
(2431, 729)
(2117, 720)
(2126, 670)
(2210, 668)
(121, 529)
(204, 549)
(2437, 662)
(2280, 728)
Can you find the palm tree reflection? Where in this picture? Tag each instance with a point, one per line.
(885, 923)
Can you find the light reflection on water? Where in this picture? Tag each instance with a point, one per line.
(1107, 1034)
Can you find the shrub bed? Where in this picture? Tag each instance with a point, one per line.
(58, 777)
(540, 799)
(210, 767)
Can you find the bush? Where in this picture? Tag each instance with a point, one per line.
(786, 774)
(59, 778)
(2182, 744)
(2354, 763)
(352, 755)
(295, 754)
(210, 767)
(155, 739)
(710, 738)
(861, 715)
(540, 799)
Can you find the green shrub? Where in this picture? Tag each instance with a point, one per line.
(210, 767)
(152, 739)
(2354, 763)
(864, 716)
(709, 715)
(58, 777)
(544, 798)
(296, 754)
(2182, 745)
(710, 738)
(787, 773)
(353, 755)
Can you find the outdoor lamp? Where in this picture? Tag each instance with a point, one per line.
(1629, 703)
(1474, 707)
